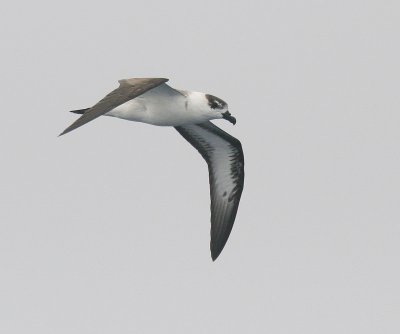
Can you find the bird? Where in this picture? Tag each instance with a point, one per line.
(152, 101)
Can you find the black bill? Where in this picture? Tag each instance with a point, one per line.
(227, 115)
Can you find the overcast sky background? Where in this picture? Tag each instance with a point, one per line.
(106, 229)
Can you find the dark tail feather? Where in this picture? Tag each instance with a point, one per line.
(80, 111)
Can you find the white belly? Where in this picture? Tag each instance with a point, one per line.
(158, 110)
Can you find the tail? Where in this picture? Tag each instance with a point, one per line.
(80, 111)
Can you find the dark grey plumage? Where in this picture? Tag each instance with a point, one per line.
(128, 89)
(224, 156)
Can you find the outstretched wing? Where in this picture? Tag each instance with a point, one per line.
(128, 89)
(224, 156)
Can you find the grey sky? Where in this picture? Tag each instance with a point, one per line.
(106, 230)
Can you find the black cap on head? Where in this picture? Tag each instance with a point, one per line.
(215, 102)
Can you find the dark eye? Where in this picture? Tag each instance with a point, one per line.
(215, 105)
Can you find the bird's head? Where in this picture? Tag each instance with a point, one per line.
(209, 106)
(218, 108)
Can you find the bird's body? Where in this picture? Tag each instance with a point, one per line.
(150, 100)
(163, 106)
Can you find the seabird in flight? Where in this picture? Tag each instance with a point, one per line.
(152, 101)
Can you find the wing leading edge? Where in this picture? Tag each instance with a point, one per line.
(224, 156)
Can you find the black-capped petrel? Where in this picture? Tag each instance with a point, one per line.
(152, 101)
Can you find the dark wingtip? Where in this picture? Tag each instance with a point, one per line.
(215, 252)
(70, 128)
